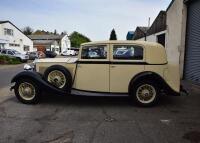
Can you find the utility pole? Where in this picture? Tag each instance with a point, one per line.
(149, 22)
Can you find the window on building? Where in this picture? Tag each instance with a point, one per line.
(8, 32)
(94, 52)
(14, 45)
(26, 48)
(127, 52)
(161, 39)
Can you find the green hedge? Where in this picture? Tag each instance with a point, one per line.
(8, 60)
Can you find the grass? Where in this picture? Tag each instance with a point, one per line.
(4, 60)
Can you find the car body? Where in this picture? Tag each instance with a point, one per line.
(120, 68)
(36, 55)
(32, 55)
(68, 53)
(50, 54)
(16, 54)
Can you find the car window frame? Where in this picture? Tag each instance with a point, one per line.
(90, 45)
(127, 60)
(10, 52)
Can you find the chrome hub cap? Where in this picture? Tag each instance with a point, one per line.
(57, 78)
(26, 91)
(146, 93)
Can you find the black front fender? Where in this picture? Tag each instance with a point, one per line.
(37, 78)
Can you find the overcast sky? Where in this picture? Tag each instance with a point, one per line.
(93, 18)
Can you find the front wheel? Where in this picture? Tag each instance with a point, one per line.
(27, 91)
(145, 93)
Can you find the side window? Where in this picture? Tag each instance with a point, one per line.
(127, 52)
(10, 53)
(3, 52)
(94, 52)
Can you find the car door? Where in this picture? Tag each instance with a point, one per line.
(92, 72)
(126, 62)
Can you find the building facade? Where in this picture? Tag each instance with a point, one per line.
(176, 32)
(183, 35)
(12, 37)
(130, 35)
(156, 32)
(57, 43)
(140, 33)
(182, 38)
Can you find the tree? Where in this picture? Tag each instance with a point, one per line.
(55, 32)
(42, 32)
(113, 35)
(64, 33)
(27, 30)
(39, 32)
(77, 39)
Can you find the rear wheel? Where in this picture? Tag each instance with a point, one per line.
(27, 91)
(145, 93)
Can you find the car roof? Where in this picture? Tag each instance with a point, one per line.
(152, 50)
(145, 43)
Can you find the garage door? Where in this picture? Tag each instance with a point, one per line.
(192, 59)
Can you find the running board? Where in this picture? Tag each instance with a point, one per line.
(87, 93)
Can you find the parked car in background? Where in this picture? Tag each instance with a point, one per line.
(16, 54)
(123, 68)
(36, 55)
(32, 55)
(68, 53)
(50, 54)
(75, 49)
(41, 55)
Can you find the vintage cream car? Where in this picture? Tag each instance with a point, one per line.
(107, 68)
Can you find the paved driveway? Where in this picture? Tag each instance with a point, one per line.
(100, 120)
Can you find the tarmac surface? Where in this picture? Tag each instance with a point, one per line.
(67, 119)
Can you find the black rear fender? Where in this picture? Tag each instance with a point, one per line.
(159, 81)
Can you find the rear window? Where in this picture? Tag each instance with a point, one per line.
(127, 52)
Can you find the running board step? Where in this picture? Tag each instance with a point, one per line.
(87, 93)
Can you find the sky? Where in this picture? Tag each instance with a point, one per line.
(93, 18)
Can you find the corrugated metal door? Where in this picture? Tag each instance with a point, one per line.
(192, 59)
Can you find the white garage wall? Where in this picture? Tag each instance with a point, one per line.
(141, 39)
(65, 43)
(176, 33)
(17, 38)
(175, 40)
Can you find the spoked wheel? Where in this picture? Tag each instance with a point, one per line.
(145, 93)
(27, 91)
(59, 77)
